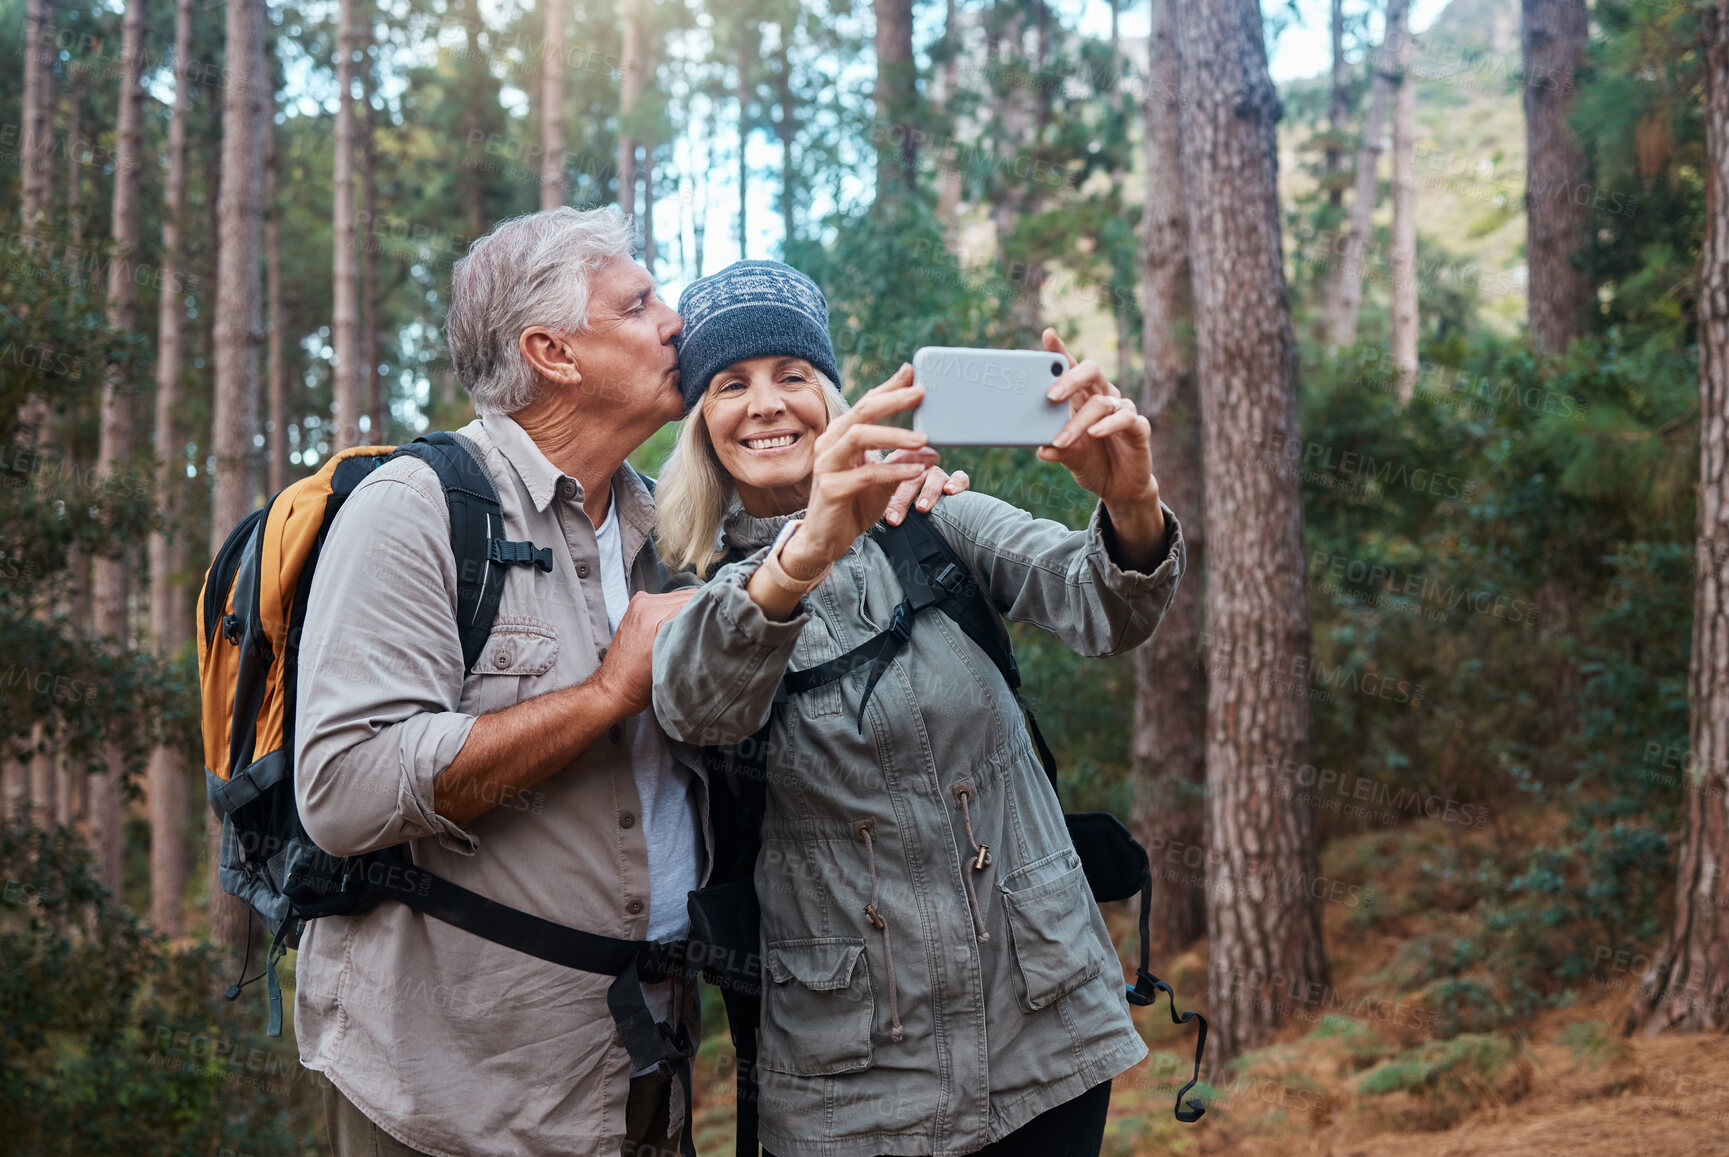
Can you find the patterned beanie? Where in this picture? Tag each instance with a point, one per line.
(750, 309)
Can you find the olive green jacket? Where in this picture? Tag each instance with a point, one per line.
(915, 1002)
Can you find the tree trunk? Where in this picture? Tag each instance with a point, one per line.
(1688, 989)
(372, 390)
(473, 64)
(168, 767)
(74, 181)
(1557, 222)
(743, 94)
(276, 389)
(1168, 748)
(234, 420)
(108, 811)
(38, 129)
(1351, 246)
(44, 783)
(1262, 920)
(1338, 108)
(345, 288)
(949, 179)
(552, 193)
(787, 129)
(1404, 263)
(629, 89)
(896, 97)
(649, 252)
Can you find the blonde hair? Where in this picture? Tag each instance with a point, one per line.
(694, 491)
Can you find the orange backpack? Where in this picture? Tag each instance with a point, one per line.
(250, 617)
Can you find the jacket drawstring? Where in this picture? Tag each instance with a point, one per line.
(896, 1032)
(980, 861)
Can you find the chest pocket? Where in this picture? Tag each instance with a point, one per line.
(519, 649)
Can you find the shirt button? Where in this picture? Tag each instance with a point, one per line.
(501, 660)
(603, 654)
(567, 488)
(616, 734)
(627, 820)
(634, 907)
(582, 570)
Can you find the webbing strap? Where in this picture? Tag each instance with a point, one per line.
(475, 520)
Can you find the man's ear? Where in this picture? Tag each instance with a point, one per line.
(550, 356)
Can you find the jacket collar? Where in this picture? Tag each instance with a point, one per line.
(747, 532)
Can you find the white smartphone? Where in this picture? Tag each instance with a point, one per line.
(977, 397)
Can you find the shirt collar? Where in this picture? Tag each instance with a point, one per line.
(533, 467)
(630, 498)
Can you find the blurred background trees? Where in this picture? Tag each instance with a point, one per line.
(1428, 330)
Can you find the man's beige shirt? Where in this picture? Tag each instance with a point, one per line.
(452, 1044)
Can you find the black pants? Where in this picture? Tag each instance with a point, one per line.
(1073, 1129)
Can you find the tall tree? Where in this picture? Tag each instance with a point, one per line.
(349, 381)
(1338, 107)
(276, 384)
(234, 419)
(1351, 248)
(1168, 748)
(629, 91)
(1688, 989)
(1404, 262)
(167, 546)
(896, 97)
(948, 85)
(1262, 920)
(108, 812)
(552, 193)
(1557, 222)
(372, 393)
(37, 151)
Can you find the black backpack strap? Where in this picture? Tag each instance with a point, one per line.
(928, 567)
(477, 539)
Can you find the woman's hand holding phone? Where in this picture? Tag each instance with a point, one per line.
(850, 488)
(1108, 447)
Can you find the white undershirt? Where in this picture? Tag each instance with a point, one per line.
(662, 785)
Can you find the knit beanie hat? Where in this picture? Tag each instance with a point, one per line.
(750, 309)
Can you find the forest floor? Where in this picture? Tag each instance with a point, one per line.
(1365, 1069)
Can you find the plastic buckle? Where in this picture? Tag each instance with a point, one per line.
(1144, 990)
(950, 579)
(519, 553)
(901, 625)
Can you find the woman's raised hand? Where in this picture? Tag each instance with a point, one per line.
(849, 487)
(1105, 443)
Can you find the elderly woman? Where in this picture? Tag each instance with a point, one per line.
(937, 976)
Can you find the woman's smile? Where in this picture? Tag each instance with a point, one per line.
(770, 442)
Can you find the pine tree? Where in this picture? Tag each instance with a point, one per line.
(1258, 923)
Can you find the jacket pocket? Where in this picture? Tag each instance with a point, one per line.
(817, 1007)
(1050, 919)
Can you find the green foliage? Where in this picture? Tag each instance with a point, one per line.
(115, 1043)
(56, 347)
(1462, 1067)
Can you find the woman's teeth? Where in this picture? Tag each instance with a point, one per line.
(770, 443)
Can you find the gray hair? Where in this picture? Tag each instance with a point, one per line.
(530, 270)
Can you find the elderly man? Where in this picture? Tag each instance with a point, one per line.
(539, 780)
